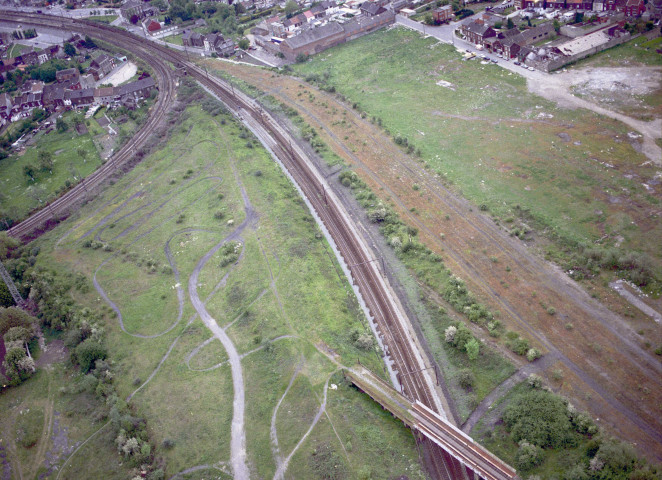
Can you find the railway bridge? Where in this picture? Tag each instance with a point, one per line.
(474, 459)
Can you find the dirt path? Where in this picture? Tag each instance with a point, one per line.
(282, 468)
(602, 350)
(504, 387)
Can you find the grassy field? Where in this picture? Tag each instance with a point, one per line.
(73, 155)
(103, 18)
(498, 144)
(16, 49)
(42, 421)
(186, 198)
(174, 39)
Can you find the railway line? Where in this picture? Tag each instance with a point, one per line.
(388, 315)
(165, 79)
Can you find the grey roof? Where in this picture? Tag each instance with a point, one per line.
(5, 101)
(135, 86)
(131, 4)
(372, 8)
(314, 35)
(76, 94)
(478, 28)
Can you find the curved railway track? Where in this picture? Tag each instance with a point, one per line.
(415, 383)
(166, 84)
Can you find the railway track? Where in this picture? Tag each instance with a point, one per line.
(165, 79)
(415, 381)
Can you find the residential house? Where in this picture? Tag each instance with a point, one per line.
(371, 9)
(476, 31)
(101, 66)
(192, 38)
(139, 89)
(579, 4)
(634, 8)
(443, 14)
(6, 104)
(43, 56)
(556, 4)
(654, 9)
(26, 102)
(138, 8)
(310, 16)
(104, 95)
(79, 98)
(217, 44)
(67, 75)
(53, 96)
(152, 26)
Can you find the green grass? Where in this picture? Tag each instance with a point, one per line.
(20, 194)
(17, 49)
(174, 39)
(103, 18)
(487, 137)
(174, 194)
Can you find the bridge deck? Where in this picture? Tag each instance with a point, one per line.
(430, 424)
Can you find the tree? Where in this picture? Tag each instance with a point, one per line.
(557, 26)
(61, 125)
(428, 19)
(7, 244)
(89, 43)
(539, 417)
(87, 353)
(510, 24)
(18, 365)
(69, 50)
(29, 170)
(473, 348)
(528, 456)
(244, 43)
(134, 19)
(45, 160)
(15, 317)
(290, 7)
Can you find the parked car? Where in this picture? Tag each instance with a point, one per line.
(516, 62)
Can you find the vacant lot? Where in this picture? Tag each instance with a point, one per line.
(275, 289)
(564, 176)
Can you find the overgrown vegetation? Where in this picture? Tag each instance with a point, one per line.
(544, 436)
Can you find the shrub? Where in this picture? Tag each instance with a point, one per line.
(87, 353)
(528, 456)
(532, 354)
(449, 333)
(466, 379)
(473, 349)
(539, 417)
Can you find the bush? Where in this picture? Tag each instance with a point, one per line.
(528, 456)
(540, 418)
(87, 353)
(473, 349)
(466, 379)
(532, 354)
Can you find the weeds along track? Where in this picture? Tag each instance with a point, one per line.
(414, 381)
